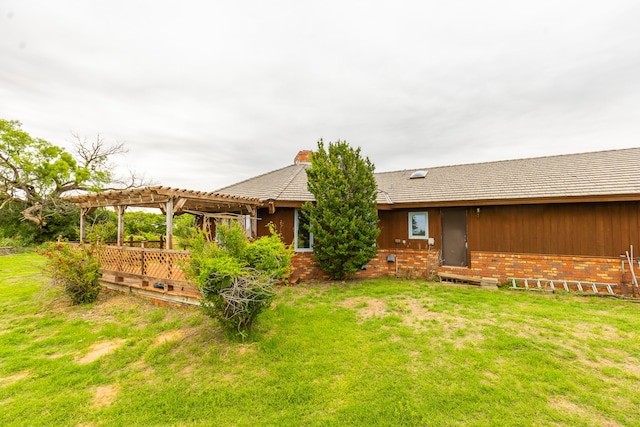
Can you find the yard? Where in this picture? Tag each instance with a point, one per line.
(378, 352)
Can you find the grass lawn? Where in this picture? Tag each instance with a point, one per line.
(377, 352)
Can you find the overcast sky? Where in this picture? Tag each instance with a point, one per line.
(205, 94)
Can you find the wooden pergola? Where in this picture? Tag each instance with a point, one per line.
(171, 201)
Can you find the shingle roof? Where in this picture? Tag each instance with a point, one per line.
(285, 184)
(595, 174)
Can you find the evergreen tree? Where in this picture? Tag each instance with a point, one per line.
(344, 217)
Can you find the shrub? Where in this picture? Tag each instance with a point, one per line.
(236, 299)
(74, 268)
(270, 255)
(237, 277)
(12, 242)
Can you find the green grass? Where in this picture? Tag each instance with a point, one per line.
(378, 352)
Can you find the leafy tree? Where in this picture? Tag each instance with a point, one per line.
(62, 223)
(343, 218)
(102, 225)
(146, 224)
(35, 174)
(184, 229)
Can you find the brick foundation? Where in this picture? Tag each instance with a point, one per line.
(502, 266)
(413, 264)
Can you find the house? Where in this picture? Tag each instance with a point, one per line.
(563, 218)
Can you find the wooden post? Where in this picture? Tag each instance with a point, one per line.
(169, 215)
(253, 212)
(83, 224)
(120, 211)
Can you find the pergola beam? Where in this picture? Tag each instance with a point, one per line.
(171, 201)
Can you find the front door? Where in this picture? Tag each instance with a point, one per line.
(454, 237)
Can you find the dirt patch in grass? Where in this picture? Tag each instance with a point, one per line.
(246, 349)
(468, 340)
(628, 365)
(632, 366)
(174, 335)
(418, 313)
(588, 331)
(365, 306)
(100, 349)
(521, 330)
(11, 379)
(104, 396)
(566, 406)
(187, 372)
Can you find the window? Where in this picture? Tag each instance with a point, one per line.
(418, 225)
(304, 238)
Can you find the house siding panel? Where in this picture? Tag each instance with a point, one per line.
(395, 225)
(282, 219)
(595, 229)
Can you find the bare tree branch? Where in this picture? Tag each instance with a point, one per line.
(96, 151)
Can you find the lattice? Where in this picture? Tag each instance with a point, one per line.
(147, 262)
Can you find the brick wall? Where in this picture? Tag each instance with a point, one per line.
(412, 263)
(552, 267)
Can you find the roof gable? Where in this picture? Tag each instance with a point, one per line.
(284, 184)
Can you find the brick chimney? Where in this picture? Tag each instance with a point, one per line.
(303, 156)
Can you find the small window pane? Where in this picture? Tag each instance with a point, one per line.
(304, 239)
(418, 225)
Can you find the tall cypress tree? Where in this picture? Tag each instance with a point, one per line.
(344, 216)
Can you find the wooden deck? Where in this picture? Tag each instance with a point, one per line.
(484, 282)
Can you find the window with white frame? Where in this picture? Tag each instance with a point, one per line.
(418, 225)
(303, 237)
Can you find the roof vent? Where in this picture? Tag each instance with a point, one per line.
(418, 174)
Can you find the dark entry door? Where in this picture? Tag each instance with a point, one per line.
(454, 237)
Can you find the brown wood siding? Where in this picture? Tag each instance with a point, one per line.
(589, 229)
(395, 225)
(597, 229)
(283, 219)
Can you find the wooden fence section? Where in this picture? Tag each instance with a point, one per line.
(151, 273)
(158, 263)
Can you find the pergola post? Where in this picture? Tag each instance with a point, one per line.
(253, 212)
(120, 211)
(83, 224)
(169, 216)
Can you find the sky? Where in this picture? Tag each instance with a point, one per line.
(204, 94)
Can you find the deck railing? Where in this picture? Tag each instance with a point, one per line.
(158, 263)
